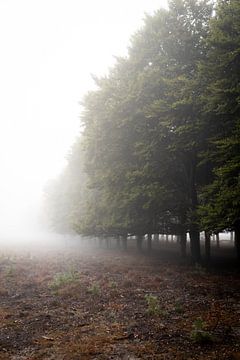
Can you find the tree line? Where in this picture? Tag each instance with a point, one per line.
(160, 148)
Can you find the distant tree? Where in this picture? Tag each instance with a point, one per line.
(65, 196)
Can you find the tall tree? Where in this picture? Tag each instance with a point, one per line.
(221, 207)
(167, 52)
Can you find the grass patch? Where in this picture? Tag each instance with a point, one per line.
(199, 334)
(62, 279)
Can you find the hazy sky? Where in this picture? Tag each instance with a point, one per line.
(48, 49)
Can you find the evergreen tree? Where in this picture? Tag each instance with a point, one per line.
(221, 207)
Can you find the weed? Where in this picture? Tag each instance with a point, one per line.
(62, 279)
(112, 316)
(94, 289)
(178, 308)
(113, 285)
(10, 271)
(153, 305)
(198, 334)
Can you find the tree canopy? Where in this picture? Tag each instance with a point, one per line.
(160, 147)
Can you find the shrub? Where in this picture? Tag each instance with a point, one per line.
(10, 271)
(94, 289)
(178, 308)
(198, 334)
(62, 279)
(153, 307)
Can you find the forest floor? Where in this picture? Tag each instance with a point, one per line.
(109, 304)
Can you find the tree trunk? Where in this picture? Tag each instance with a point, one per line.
(118, 242)
(232, 236)
(218, 241)
(124, 243)
(183, 244)
(194, 229)
(195, 244)
(156, 237)
(139, 243)
(237, 238)
(207, 246)
(167, 238)
(149, 242)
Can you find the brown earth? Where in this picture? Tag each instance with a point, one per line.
(79, 305)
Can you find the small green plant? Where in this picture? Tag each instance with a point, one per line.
(62, 279)
(198, 334)
(10, 271)
(153, 307)
(113, 285)
(178, 308)
(94, 289)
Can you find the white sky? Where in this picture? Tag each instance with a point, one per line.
(48, 49)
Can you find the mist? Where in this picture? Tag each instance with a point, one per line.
(45, 71)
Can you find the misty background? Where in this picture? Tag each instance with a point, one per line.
(49, 50)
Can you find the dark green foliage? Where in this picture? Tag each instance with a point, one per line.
(198, 334)
(221, 99)
(160, 146)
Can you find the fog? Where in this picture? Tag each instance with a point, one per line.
(48, 52)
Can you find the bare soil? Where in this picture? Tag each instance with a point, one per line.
(77, 304)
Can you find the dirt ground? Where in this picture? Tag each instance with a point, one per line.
(109, 304)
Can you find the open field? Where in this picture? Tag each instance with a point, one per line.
(106, 304)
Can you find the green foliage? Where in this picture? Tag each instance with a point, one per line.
(65, 196)
(178, 308)
(94, 289)
(153, 307)
(160, 146)
(221, 198)
(62, 279)
(144, 104)
(113, 285)
(10, 271)
(198, 334)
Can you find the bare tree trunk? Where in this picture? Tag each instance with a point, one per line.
(139, 243)
(195, 244)
(237, 238)
(217, 239)
(183, 244)
(207, 246)
(156, 237)
(124, 243)
(149, 242)
(194, 228)
(118, 242)
(100, 241)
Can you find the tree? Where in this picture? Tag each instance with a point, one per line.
(142, 125)
(221, 199)
(65, 196)
(169, 49)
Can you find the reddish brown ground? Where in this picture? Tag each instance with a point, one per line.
(100, 310)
